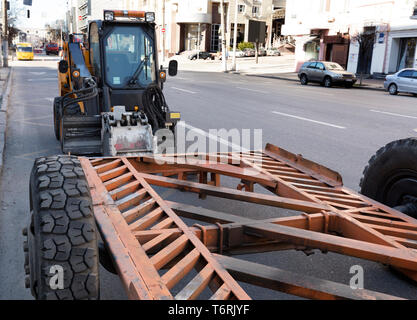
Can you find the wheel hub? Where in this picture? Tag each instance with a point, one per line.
(400, 192)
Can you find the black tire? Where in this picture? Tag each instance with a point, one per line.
(61, 232)
(391, 175)
(303, 80)
(57, 117)
(393, 89)
(327, 82)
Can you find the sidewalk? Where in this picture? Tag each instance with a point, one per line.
(244, 65)
(281, 68)
(5, 84)
(370, 84)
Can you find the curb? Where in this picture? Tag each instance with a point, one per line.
(296, 80)
(3, 116)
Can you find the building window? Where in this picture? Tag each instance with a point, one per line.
(241, 8)
(415, 9)
(255, 10)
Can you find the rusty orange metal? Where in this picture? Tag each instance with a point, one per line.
(154, 250)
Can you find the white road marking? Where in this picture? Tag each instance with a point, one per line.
(253, 90)
(183, 90)
(394, 114)
(234, 146)
(37, 73)
(308, 89)
(35, 118)
(309, 120)
(43, 79)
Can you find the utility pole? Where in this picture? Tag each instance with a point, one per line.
(164, 31)
(5, 42)
(235, 36)
(223, 36)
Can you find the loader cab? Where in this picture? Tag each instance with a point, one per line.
(123, 56)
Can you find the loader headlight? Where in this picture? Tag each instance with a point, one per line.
(150, 16)
(175, 115)
(108, 15)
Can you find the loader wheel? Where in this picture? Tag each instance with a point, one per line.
(57, 118)
(391, 176)
(61, 235)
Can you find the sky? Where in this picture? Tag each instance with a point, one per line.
(41, 12)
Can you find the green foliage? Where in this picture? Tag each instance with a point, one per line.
(245, 45)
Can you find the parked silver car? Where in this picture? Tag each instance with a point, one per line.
(325, 73)
(404, 80)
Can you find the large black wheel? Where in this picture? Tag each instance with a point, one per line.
(61, 237)
(391, 176)
(57, 117)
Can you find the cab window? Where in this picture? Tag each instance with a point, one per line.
(95, 50)
(129, 51)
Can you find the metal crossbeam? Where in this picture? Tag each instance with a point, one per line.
(146, 235)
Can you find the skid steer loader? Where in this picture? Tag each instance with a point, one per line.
(111, 100)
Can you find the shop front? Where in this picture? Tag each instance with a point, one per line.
(402, 48)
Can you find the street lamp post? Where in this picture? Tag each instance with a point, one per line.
(163, 33)
(5, 42)
(235, 36)
(223, 36)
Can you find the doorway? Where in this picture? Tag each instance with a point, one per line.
(407, 53)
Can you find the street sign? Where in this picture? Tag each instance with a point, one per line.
(257, 31)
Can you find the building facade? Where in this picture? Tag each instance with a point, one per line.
(333, 30)
(187, 25)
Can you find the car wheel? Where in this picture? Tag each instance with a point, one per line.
(303, 79)
(327, 82)
(393, 89)
(194, 58)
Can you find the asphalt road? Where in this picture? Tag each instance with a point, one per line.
(337, 127)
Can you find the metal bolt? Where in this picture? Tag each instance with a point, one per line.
(25, 246)
(25, 231)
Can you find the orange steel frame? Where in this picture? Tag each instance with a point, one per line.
(156, 253)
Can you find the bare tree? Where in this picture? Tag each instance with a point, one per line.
(366, 41)
(54, 30)
(13, 15)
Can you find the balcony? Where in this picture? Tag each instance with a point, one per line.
(279, 4)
